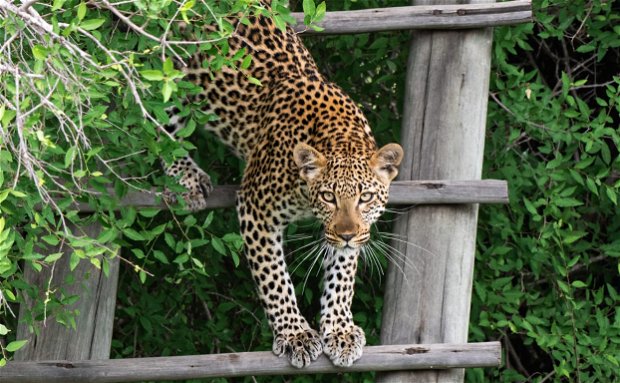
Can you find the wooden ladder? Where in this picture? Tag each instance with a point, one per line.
(426, 309)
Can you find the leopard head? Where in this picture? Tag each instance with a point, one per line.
(348, 193)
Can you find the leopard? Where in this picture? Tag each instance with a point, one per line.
(309, 152)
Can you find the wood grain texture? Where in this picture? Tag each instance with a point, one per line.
(443, 136)
(422, 16)
(97, 298)
(375, 358)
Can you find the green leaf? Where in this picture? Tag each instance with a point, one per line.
(181, 259)
(572, 237)
(611, 194)
(591, 185)
(149, 212)
(235, 258)
(4, 194)
(563, 286)
(168, 66)
(254, 80)
(530, 206)
(309, 7)
(157, 230)
(568, 202)
(208, 220)
(320, 12)
(169, 239)
(198, 263)
(51, 239)
(152, 74)
(107, 235)
(161, 257)
(96, 263)
(3, 330)
(218, 245)
(247, 61)
(15, 345)
(138, 253)
(40, 52)
(18, 194)
(187, 130)
(579, 284)
(586, 48)
(132, 234)
(70, 156)
(53, 257)
(57, 4)
(92, 24)
(7, 117)
(74, 260)
(81, 11)
(106, 267)
(280, 23)
(166, 91)
(187, 6)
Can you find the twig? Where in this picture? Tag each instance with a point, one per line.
(547, 377)
(27, 4)
(573, 270)
(515, 356)
(504, 107)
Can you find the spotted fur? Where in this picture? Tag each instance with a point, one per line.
(309, 151)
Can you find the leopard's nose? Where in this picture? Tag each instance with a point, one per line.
(346, 236)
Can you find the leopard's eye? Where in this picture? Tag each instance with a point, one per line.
(367, 197)
(328, 197)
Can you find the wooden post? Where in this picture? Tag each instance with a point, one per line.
(92, 337)
(428, 290)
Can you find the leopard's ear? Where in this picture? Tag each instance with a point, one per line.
(308, 160)
(385, 162)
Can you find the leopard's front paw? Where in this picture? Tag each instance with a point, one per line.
(301, 346)
(344, 345)
(198, 185)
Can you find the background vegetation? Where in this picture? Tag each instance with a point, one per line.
(74, 113)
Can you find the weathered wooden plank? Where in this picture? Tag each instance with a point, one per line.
(439, 16)
(401, 193)
(448, 192)
(375, 358)
(97, 298)
(428, 290)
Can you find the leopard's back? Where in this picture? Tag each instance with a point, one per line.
(232, 95)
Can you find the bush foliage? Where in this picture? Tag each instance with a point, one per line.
(79, 115)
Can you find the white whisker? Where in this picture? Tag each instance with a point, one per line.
(315, 247)
(398, 238)
(320, 254)
(392, 253)
(392, 258)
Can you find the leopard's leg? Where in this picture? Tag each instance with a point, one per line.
(293, 336)
(342, 339)
(189, 175)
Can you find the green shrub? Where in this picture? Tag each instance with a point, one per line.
(547, 264)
